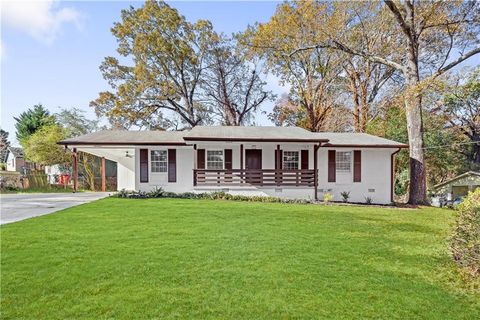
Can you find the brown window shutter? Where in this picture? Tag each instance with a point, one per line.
(278, 159)
(172, 165)
(304, 158)
(332, 166)
(200, 158)
(228, 159)
(280, 154)
(143, 165)
(357, 166)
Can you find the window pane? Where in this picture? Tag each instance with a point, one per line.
(158, 160)
(290, 160)
(343, 161)
(215, 159)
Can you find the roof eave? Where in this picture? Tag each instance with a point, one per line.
(254, 139)
(122, 143)
(339, 145)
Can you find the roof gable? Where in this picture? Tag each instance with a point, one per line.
(16, 152)
(461, 176)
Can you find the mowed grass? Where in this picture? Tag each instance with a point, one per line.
(173, 258)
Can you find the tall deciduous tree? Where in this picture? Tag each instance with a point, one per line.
(421, 40)
(311, 74)
(168, 56)
(233, 87)
(31, 120)
(462, 109)
(75, 123)
(4, 144)
(42, 146)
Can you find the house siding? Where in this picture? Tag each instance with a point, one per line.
(375, 172)
(375, 176)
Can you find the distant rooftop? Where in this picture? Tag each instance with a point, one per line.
(16, 152)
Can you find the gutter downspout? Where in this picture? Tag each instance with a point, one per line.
(392, 173)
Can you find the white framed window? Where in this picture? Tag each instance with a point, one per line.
(290, 160)
(344, 161)
(215, 159)
(158, 160)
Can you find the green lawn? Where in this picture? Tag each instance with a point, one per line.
(166, 258)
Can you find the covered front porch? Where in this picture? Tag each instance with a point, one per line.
(221, 165)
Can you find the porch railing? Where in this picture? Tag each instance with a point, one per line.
(264, 177)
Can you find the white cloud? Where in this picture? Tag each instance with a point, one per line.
(41, 19)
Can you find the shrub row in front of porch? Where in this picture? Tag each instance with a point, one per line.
(220, 195)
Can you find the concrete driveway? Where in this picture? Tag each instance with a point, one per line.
(16, 207)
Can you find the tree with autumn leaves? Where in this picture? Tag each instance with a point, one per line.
(418, 41)
(182, 74)
(345, 62)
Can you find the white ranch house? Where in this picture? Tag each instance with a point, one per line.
(285, 162)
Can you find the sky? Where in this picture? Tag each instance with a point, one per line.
(51, 50)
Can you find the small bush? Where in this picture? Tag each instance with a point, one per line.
(155, 193)
(465, 238)
(327, 197)
(368, 200)
(345, 195)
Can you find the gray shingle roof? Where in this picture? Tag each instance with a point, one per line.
(123, 137)
(226, 133)
(16, 152)
(463, 175)
(357, 139)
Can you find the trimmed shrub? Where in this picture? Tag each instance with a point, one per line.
(220, 195)
(465, 238)
(345, 195)
(327, 197)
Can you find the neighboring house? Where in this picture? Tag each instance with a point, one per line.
(16, 161)
(459, 186)
(285, 162)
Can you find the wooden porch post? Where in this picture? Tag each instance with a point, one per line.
(103, 173)
(75, 170)
(315, 169)
(241, 163)
(241, 156)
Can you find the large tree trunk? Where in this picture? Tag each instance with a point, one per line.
(413, 105)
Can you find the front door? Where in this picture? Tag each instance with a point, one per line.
(253, 165)
(253, 159)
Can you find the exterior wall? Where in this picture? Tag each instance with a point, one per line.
(376, 176)
(11, 166)
(17, 163)
(126, 173)
(376, 172)
(185, 158)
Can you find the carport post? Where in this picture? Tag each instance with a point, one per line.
(104, 185)
(75, 169)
